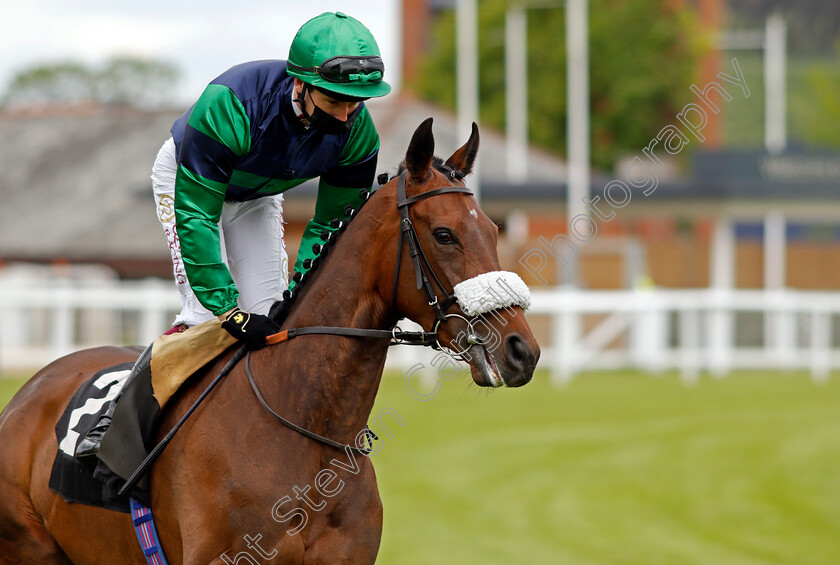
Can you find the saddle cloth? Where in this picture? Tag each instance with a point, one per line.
(95, 481)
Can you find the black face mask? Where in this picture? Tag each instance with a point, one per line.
(324, 122)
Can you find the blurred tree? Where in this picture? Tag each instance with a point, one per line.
(136, 82)
(821, 127)
(67, 82)
(643, 57)
(121, 80)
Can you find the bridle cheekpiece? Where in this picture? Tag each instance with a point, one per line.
(418, 256)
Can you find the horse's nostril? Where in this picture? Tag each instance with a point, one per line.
(517, 352)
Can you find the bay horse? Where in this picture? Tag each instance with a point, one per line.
(235, 486)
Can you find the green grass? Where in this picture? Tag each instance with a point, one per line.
(615, 468)
(9, 386)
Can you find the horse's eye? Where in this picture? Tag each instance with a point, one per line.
(444, 237)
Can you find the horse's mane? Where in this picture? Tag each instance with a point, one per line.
(281, 309)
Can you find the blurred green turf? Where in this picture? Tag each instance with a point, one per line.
(8, 386)
(615, 468)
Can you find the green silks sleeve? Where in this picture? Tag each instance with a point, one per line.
(197, 212)
(218, 130)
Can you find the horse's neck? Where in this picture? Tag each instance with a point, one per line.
(344, 291)
(337, 377)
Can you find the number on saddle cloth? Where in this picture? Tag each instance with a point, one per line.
(70, 477)
(172, 359)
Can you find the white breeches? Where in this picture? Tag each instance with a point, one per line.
(253, 246)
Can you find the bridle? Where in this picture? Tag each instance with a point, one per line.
(421, 267)
(418, 256)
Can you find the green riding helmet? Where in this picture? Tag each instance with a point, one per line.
(337, 53)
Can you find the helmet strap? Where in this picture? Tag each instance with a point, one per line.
(301, 102)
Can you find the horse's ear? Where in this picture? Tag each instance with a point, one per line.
(421, 151)
(463, 159)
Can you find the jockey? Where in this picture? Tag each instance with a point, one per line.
(259, 129)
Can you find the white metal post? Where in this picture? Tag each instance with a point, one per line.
(649, 332)
(61, 319)
(721, 319)
(577, 140)
(516, 97)
(689, 359)
(774, 250)
(723, 254)
(466, 23)
(820, 354)
(779, 326)
(775, 48)
(567, 331)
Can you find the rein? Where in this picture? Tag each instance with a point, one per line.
(398, 337)
(370, 435)
(421, 265)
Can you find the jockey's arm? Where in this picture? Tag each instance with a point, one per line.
(217, 132)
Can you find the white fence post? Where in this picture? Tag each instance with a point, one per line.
(722, 282)
(820, 365)
(565, 329)
(61, 320)
(689, 321)
(719, 334)
(649, 336)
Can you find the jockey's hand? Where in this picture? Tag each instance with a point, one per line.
(249, 328)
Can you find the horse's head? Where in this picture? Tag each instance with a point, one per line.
(447, 275)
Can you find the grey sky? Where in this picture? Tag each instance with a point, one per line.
(203, 37)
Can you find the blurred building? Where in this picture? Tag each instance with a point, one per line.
(741, 217)
(76, 189)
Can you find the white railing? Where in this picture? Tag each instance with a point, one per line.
(691, 331)
(47, 318)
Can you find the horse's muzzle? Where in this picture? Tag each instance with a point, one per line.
(519, 361)
(511, 364)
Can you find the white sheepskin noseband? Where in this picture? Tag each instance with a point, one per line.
(491, 291)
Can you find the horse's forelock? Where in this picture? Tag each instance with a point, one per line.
(437, 163)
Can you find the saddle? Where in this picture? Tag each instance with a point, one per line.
(96, 481)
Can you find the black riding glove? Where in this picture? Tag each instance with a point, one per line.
(251, 329)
